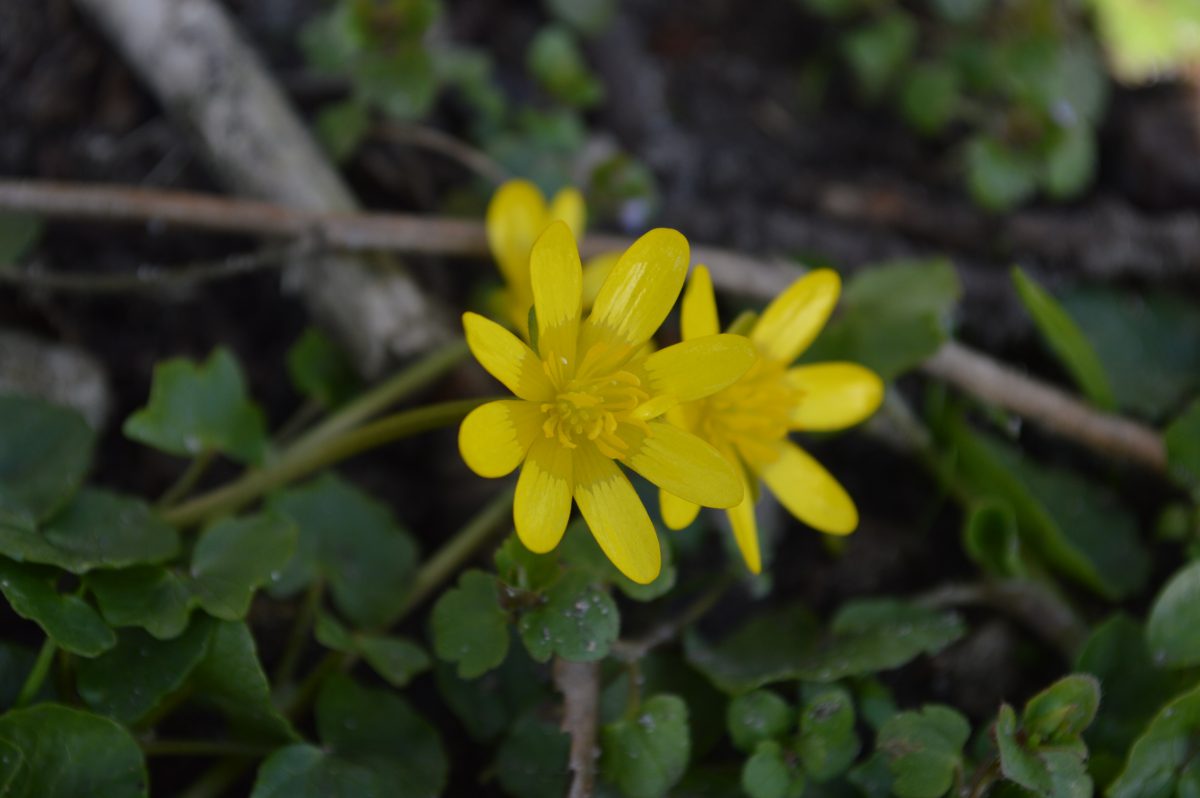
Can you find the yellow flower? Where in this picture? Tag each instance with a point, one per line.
(592, 395)
(516, 216)
(749, 421)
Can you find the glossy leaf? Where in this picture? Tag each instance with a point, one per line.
(351, 541)
(1066, 340)
(469, 626)
(767, 773)
(53, 751)
(1172, 625)
(132, 678)
(155, 598)
(577, 621)
(1048, 772)
(757, 716)
(646, 755)
(1162, 752)
(45, 451)
(828, 743)
(67, 619)
(97, 529)
(197, 408)
(234, 557)
(396, 659)
(924, 750)
(531, 762)
(1059, 714)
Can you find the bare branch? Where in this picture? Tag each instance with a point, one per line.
(959, 365)
(579, 683)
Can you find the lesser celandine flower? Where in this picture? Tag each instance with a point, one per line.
(516, 216)
(749, 421)
(591, 396)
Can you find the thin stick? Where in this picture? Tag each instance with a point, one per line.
(963, 367)
(579, 683)
(434, 140)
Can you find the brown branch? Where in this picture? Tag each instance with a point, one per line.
(1057, 411)
(579, 683)
(434, 140)
(959, 365)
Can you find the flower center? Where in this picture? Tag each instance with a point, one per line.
(753, 413)
(595, 409)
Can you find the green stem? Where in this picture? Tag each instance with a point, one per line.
(303, 460)
(188, 479)
(387, 393)
(215, 781)
(205, 748)
(36, 677)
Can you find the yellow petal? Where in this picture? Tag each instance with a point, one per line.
(699, 367)
(569, 207)
(809, 492)
(507, 358)
(494, 438)
(833, 395)
(616, 516)
(557, 276)
(745, 527)
(543, 500)
(676, 513)
(515, 217)
(595, 272)
(681, 463)
(699, 314)
(793, 319)
(641, 288)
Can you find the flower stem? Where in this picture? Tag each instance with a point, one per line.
(303, 460)
(305, 616)
(37, 675)
(188, 479)
(205, 748)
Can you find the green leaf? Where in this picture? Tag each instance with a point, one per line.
(469, 626)
(68, 620)
(489, 705)
(878, 51)
(230, 679)
(52, 751)
(1183, 446)
(520, 568)
(828, 744)
(402, 83)
(1050, 772)
(396, 659)
(1059, 714)
(234, 557)
(589, 17)
(305, 771)
(1070, 162)
(1134, 685)
(333, 41)
(924, 750)
(532, 760)
(930, 97)
(341, 128)
(577, 621)
(200, 408)
(960, 11)
(865, 636)
(991, 538)
(1149, 343)
(351, 541)
(318, 367)
(44, 452)
(1147, 41)
(767, 773)
(1000, 178)
(1171, 628)
(1066, 340)
(554, 60)
(1076, 526)
(16, 662)
(374, 745)
(378, 729)
(872, 778)
(1162, 752)
(132, 678)
(757, 716)
(876, 704)
(97, 529)
(893, 317)
(18, 233)
(646, 755)
(155, 598)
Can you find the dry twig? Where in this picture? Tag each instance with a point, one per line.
(959, 365)
(579, 683)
